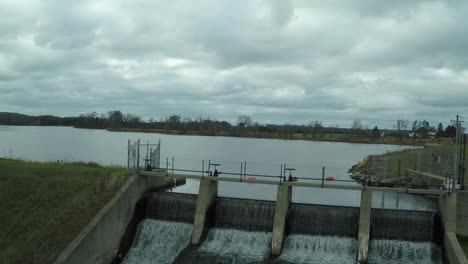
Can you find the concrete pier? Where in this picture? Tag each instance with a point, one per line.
(206, 197)
(364, 226)
(283, 201)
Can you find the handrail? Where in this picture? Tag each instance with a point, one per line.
(296, 184)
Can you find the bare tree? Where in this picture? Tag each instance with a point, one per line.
(402, 124)
(357, 124)
(244, 121)
(316, 125)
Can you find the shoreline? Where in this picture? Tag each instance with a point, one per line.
(398, 168)
(338, 138)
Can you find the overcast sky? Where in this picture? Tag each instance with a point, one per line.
(277, 61)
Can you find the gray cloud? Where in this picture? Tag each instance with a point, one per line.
(278, 61)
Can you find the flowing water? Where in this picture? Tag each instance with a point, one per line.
(171, 206)
(242, 214)
(158, 241)
(236, 246)
(323, 220)
(403, 252)
(404, 225)
(302, 249)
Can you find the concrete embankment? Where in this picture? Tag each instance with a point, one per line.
(99, 240)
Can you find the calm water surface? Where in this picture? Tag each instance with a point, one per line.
(263, 156)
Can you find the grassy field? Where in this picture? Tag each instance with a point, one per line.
(45, 205)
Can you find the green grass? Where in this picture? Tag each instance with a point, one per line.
(45, 205)
(399, 162)
(408, 159)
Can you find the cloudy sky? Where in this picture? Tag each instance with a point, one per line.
(277, 61)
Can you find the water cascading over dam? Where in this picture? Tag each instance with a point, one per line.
(321, 234)
(165, 231)
(404, 237)
(241, 233)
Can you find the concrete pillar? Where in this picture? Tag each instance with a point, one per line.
(283, 201)
(364, 226)
(206, 197)
(448, 211)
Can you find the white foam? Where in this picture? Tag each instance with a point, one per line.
(301, 249)
(158, 242)
(238, 246)
(403, 252)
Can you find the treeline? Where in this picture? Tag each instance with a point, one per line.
(245, 126)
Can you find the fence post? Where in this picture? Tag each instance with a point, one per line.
(386, 164)
(128, 155)
(203, 169)
(240, 175)
(245, 169)
(281, 173)
(138, 158)
(323, 176)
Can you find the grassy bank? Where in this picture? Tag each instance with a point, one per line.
(329, 137)
(464, 244)
(394, 168)
(45, 205)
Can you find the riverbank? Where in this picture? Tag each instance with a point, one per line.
(328, 137)
(464, 244)
(45, 205)
(397, 169)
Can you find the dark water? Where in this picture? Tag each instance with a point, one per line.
(323, 220)
(404, 225)
(243, 214)
(177, 207)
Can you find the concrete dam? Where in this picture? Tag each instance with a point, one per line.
(240, 231)
(146, 223)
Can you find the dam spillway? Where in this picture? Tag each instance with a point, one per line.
(240, 232)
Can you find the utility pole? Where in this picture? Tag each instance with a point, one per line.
(459, 138)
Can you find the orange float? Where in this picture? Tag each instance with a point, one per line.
(329, 178)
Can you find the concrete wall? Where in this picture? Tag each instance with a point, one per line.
(448, 211)
(453, 250)
(206, 197)
(283, 201)
(99, 240)
(364, 226)
(462, 213)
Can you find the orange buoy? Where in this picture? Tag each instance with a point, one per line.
(329, 178)
(252, 178)
(294, 179)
